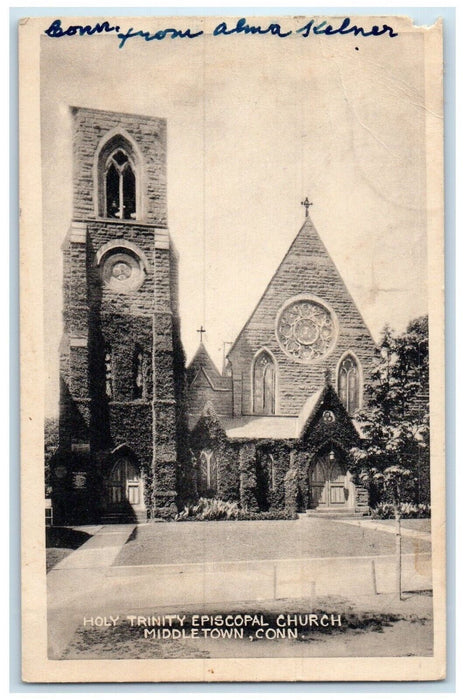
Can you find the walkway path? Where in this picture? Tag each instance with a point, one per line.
(390, 527)
(100, 551)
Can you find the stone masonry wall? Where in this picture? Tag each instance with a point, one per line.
(164, 401)
(201, 392)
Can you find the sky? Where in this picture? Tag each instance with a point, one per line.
(255, 124)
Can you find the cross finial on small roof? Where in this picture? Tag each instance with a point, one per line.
(306, 204)
(201, 330)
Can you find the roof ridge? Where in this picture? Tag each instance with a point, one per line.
(202, 354)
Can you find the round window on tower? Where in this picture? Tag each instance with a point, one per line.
(122, 271)
(306, 329)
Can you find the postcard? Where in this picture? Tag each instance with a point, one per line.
(232, 349)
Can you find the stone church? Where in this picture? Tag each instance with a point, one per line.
(140, 435)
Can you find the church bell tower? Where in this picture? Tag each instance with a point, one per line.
(121, 360)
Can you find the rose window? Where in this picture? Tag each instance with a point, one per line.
(306, 330)
(122, 272)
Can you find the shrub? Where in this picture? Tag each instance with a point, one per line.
(216, 509)
(285, 514)
(209, 509)
(163, 512)
(385, 511)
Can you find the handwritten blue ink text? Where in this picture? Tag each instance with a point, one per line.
(55, 30)
(158, 36)
(243, 28)
(328, 29)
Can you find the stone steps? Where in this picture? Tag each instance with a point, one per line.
(333, 514)
(117, 518)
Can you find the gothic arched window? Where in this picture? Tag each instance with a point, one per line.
(120, 186)
(208, 471)
(118, 172)
(348, 384)
(138, 373)
(108, 374)
(264, 384)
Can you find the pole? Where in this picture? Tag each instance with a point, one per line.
(398, 553)
(373, 576)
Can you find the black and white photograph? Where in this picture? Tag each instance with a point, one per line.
(232, 282)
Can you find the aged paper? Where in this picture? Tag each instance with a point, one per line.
(232, 362)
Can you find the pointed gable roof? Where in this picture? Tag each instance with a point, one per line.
(203, 363)
(307, 268)
(309, 418)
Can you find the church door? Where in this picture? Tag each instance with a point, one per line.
(329, 484)
(125, 488)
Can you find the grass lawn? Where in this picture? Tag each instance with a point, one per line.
(190, 542)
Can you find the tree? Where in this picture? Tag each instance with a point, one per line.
(50, 447)
(394, 459)
(395, 423)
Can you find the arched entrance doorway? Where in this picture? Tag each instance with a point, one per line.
(125, 491)
(330, 485)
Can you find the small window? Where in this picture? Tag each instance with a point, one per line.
(348, 383)
(120, 186)
(108, 374)
(208, 471)
(138, 374)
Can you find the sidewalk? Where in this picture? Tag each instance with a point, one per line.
(382, 526)
(99, 552)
